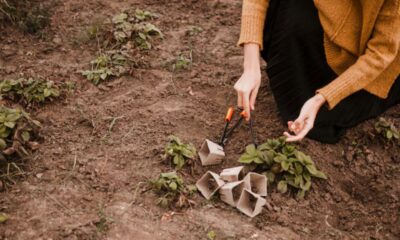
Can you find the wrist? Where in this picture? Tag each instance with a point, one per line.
(251, 57)
(319, 99)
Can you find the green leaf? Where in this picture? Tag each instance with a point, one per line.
(270, 176)
(251, 149)
(300, 194)
(3, 218)
(305, 185)
(282, 186)
(280, 158)
(10, 124)
(211, 235)
(320, 174)
(3, 144)
(285, 165)
(169, 175)
(25, 136)
(173, 186)
(179, 161)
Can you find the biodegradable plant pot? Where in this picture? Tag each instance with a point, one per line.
(232, 174)
(211, 153)
(231, 192)
(250, 203)
(209, 184)
(256, 183)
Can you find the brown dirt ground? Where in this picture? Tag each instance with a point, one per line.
(87, 182)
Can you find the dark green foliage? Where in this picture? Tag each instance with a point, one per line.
(282, 162)
(29, 15)
(172, 190)
(179, 152)
(29, 90)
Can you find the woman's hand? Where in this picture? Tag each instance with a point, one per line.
(305, 122)
(249, 83)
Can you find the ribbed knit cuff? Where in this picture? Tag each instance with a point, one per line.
(253, 19)
(337, 90)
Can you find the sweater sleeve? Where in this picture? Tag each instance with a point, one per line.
(381, 51)
(253, 18)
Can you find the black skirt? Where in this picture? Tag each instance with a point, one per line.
(297, 67)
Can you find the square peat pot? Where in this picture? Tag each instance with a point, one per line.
(211, 153)
(232, 174)
(250, 203)
(209, 184)
(256, 183)
(231, 192)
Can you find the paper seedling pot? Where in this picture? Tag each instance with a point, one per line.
(232, 174)
(250, 203)
(256, 183)
(211, 153)
(231, 192)
(209, 184)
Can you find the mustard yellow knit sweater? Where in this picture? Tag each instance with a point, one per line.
(362, 43)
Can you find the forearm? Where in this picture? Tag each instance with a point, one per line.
(251, 57)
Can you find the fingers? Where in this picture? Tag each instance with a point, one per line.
(300, 133)
(240, 99)
(253, 98)
(246, 105)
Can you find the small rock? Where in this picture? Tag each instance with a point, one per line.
(57, 40)
(39, 175)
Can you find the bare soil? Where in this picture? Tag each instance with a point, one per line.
(87, 182)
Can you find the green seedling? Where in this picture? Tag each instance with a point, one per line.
(107, 65)
(387, 130)
(179, 152)
(281, 161)
(182, 62)
(28, 90)
(172, 190)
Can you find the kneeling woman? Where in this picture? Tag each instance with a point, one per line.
(331, 64)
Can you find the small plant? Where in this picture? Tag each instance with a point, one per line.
(387, 129)
(131, 25)
(28, 90)
(172, 190)
(182, 62)
(17, 133)
(107, 65)
(280, 161)
(179, 152)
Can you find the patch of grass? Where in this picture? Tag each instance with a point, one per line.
(28, 91)
(179, 153)
(172, 190)
(281, 161)
(29, 15)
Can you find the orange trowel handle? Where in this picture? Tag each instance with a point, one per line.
(229, 114)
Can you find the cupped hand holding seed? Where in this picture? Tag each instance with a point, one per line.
(305, 122)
